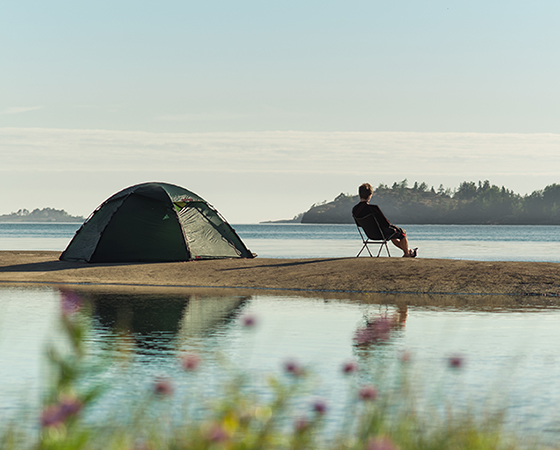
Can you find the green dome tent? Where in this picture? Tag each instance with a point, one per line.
(154, 222)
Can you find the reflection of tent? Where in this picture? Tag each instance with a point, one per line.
(154, 222)
(206, 315)
(160, 322)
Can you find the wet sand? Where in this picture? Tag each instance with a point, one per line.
(345, 275)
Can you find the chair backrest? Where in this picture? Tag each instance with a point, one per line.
(371, 227)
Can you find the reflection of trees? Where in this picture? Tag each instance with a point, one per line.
(155, 321)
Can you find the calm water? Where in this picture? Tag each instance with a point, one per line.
(511, 357)
(511, 354)
(475, 242)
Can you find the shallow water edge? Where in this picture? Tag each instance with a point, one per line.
(507, 349)
(337, 275)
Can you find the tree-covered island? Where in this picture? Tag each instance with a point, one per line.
(40, 215)
(470, 203)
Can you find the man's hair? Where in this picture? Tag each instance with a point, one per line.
(365, 190)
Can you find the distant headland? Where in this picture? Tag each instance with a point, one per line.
(40, 215)
(471, 203)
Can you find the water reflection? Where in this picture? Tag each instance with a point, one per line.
(159, 323)
(509, 346)
(379, 329)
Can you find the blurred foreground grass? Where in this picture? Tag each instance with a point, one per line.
(374, 419)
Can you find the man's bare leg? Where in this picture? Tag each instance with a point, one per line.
(402, 244)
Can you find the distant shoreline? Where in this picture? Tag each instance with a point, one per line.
(469, 204)
(45, 215)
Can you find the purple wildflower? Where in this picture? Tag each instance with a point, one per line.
(349, 367)
(217, 434)
(320, 407)
(456, 361)
(302, 425)
(163, 387)
(70, 406)
(141, 445)
(190, 361)
(381, 443)
(406, 356)
(51, 417)
(293, 368)
(249, 320)
(367, 393)
(57, 414)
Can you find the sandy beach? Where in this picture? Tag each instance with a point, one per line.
(343, 275)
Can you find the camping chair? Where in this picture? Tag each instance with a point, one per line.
(371, 233)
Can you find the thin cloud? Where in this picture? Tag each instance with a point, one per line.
(461, 155)
(197, 117)
(80, 168)
(20, 109)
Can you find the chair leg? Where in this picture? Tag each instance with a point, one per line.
(387, 248)
(360, 252)
(367, 248)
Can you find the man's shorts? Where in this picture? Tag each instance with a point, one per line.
(400, 233)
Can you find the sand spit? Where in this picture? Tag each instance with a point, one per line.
(342, 275)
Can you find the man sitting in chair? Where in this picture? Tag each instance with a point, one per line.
(363, 209)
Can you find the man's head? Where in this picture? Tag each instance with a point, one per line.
(365, 191)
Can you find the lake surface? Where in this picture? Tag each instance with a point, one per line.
(510, 354)
(474, 242)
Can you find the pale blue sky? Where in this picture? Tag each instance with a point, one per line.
(185, 67)
(487, 66)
